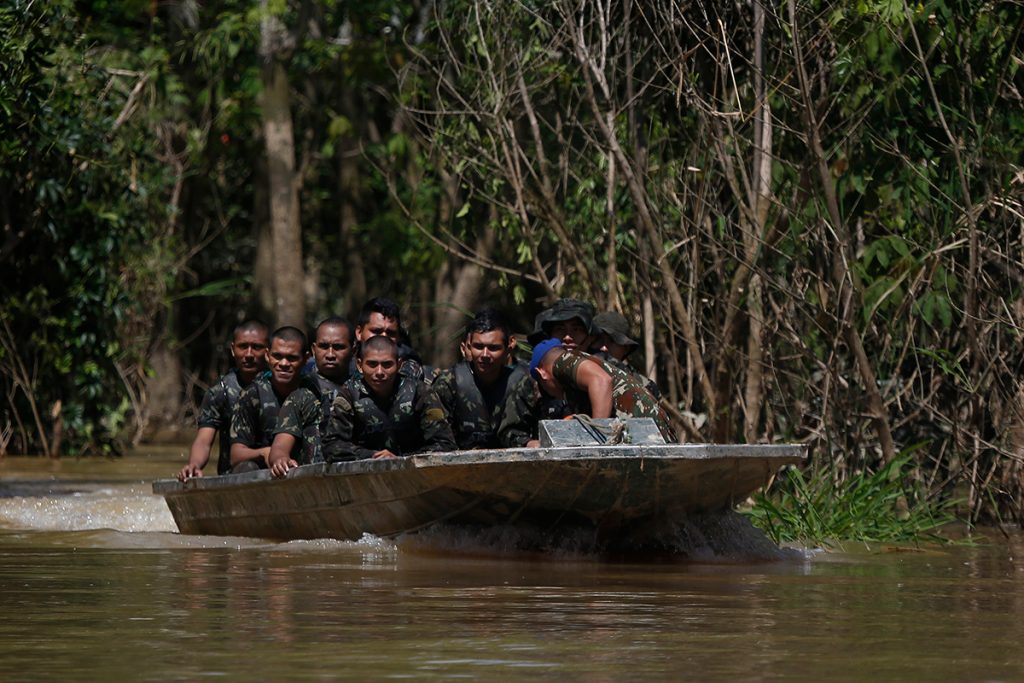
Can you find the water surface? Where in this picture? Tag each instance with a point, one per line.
(96, 583)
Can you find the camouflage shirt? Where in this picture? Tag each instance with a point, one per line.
(475, 412)
(303, 414)
(255, 416)
(412, 421)
(218, 405)
(648, 383)
(629, 397)
(525, 406)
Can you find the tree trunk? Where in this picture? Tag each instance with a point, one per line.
(286, 233)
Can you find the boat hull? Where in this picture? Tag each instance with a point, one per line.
(609, 488)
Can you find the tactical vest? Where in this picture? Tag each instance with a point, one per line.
(270, 406)
(475, 427)
(234, 390)
(394, 430)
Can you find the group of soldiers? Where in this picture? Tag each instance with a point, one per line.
(365, 393)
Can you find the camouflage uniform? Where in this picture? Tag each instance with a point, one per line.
(218, 405)
(412, 421)
(629, 397)
(648, 383)
(475, 413)
(255, 417)
(525, 406)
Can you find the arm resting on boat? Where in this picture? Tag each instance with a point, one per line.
(280, 458)
(199, 454)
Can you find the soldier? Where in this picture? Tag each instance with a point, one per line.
(568, 320)
(248, 349)
(255, 417)
(304, 413)
(612, 343)
(333, 346)
(473, 392)
(593, 386)
(382, 414)
(381, 317)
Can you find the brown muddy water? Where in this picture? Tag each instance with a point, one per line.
(96, 584)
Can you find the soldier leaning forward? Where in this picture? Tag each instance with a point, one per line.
(594, 387)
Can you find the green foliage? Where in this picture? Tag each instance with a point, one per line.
(887, 505)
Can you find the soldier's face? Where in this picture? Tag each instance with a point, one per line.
(572, 333)
(285, 359)
(380, 372)
(377, 326)
(332, 350)
(488, 353)
(616, 351)
(249, 349)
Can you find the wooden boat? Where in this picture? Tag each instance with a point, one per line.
(613, 489)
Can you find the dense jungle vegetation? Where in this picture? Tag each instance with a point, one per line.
(811, 210)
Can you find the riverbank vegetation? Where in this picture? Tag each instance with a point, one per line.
(811, 211)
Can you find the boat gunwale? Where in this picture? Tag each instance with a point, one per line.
(787, 453)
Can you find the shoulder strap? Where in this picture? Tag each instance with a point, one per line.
(269, 407)
(473, 411)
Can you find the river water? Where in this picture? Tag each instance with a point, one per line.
(95, 583)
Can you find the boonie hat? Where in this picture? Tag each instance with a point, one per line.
(563, 309)
(539, 351)
(615, 326)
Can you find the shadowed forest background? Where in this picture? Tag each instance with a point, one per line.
(811, 211)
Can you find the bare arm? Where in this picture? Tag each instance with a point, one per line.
(240, 453)
(199, 454)
(280, 456)
(598, 383)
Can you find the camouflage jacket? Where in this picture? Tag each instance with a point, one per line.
(629, 397)
(255, 417)
(474, 413)
(649, 384)
(359, 426)
(303, 415)
(218, 405)
(324, 385)
(525, 406)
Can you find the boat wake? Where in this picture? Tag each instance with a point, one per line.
(714, 537)
(131, 508)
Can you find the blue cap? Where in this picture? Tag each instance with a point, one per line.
(539, 351)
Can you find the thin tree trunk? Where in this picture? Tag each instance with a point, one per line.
(279, 138)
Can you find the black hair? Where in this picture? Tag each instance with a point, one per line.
(337, 321)
(251, 325)
(289, 334)
(377, 343)
(378, 304)
(487, 320)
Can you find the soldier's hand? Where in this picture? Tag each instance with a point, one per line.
(533, 443)
(189, 471)
(280, 468)
(383, 454)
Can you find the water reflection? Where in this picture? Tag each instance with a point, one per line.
(81, 573)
